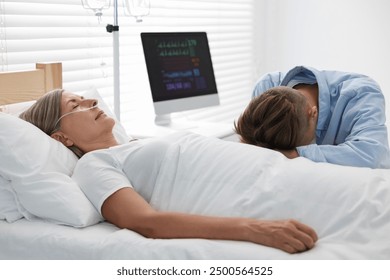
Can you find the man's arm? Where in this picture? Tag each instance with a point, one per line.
(267, 81)
(357, 134)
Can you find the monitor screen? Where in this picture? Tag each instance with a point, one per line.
(180, 71)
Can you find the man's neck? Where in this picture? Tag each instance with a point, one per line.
(310, 92)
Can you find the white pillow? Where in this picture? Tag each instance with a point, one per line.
(16, 108)
(8, 206)
(10, 209)
(39, 168)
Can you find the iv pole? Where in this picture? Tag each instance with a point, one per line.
(114, 29)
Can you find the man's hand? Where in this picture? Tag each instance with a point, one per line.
(289, 153)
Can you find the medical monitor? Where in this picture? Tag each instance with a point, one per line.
(180, 71)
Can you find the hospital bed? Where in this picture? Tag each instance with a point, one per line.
(44, 215)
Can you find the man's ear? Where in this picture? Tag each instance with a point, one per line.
(61, 137)
(313, 112)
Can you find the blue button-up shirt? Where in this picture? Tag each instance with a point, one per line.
(351, 127)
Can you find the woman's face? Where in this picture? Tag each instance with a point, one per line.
(81, 123)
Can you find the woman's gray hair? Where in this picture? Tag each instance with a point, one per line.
(44, 114)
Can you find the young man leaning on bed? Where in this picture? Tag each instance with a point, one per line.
(325, 116)
(119, 180)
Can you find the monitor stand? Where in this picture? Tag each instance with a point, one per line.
(219, 130)
(177, 124)
(163, 119)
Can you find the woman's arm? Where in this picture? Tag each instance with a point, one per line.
(126, 209)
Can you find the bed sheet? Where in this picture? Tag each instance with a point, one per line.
(41, 240)
(44, 241)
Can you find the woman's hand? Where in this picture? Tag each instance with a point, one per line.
(288, 235)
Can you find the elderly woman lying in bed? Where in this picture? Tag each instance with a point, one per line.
(120, 179)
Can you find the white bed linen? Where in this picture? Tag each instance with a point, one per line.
(25, 239)
(348, 207)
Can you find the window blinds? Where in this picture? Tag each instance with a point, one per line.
(62, 30)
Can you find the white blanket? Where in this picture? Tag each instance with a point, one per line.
(348, 207)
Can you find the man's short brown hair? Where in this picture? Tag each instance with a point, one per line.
(276, 119)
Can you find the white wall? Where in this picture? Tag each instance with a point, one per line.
(349, 35)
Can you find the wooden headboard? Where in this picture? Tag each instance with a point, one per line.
(19, 86)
